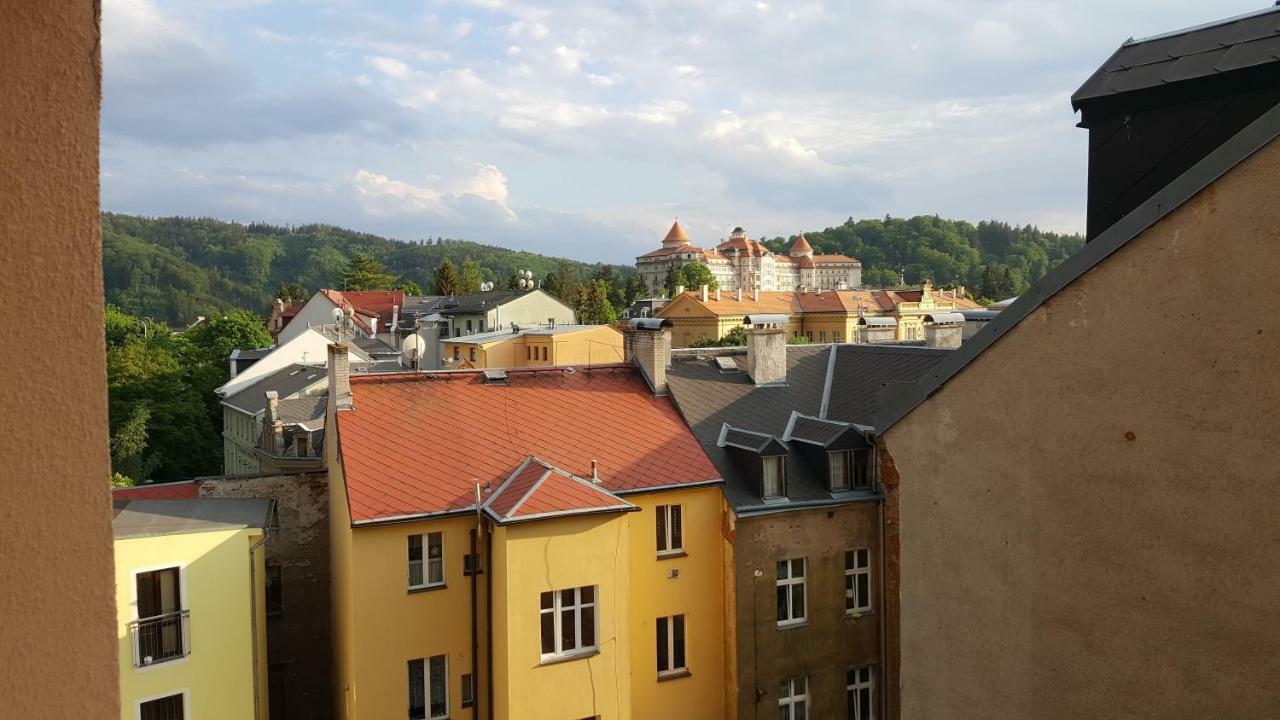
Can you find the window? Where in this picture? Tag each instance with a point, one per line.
(793, 699)
(670, 529)
(791, 600)
(457, 353)
(861, 475)
(544, 352)
(428, 571)
(859, 688)
(822, 336)
(481, 324)
(165, 708)
(275, 598)
(473, 355)
(528, 352)
(160, 632)
(857, 580)
(428, 688)
(468, 690)
(472, 565)
(835, 336)
(774, 478)
(671, 645)
(568, 619)
(468, 327)
(838, 470)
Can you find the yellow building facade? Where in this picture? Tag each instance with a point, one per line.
(593, 600)
(540, 347)
(191, 608)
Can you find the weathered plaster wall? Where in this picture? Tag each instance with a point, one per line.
(1089, 509)
(55, 522)
(830, 642)
(299, 651)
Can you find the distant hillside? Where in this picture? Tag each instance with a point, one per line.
(174, 269)
(992, 259)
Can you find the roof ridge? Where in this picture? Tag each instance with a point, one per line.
(1202, 26)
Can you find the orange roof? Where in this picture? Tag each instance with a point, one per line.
(538, 490)
(158, 491)
(675, 234)
(682, 248)
(801, 245)
(418, 443)
(371, 303)
(834, 259)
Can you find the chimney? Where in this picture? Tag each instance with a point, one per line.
(874, 330)
(595, 472)
(652, 351)
(679, 290)
(395, 318)
(944, 330)
(717, 293)
(739, 294)
(277, 315)
(339, 378)
(373, 327)
(273, 425)
(755, 294)
(767, 355)
(703, 292)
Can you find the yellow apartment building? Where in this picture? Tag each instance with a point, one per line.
(534, 347)
(191, 606)
(599, 590)
(819, 316)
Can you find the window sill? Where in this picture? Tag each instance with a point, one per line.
(427, 588)
(793, 624)
(674, 675)
(569, 657)
(858, 614)
(673, 554)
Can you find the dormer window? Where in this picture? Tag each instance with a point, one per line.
(849, 470)
(774, 477)
(838, 470)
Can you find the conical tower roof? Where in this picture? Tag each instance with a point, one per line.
(801, 247)
(675, 236)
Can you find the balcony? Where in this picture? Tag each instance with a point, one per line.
(161, 638)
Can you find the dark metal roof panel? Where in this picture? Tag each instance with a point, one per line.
(1257, 52)
(863, 371)
(903, 399)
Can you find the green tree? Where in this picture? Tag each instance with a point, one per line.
(410, 287)
(736, 337)
(564, 283)
(695, 275)
(447, 280)
(291, 292)
(129, 445)
(472, 277)
(513, 280)
(365, 273)
(213, 340)
(593, 306)
(674, 280)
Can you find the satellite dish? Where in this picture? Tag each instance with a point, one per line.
(337, 315)
(528, 274)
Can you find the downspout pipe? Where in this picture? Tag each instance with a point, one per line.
(488, 603)
(253, 620)
(883, 615)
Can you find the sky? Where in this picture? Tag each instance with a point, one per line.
(582, 129)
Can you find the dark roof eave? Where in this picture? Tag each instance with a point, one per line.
(1169, 198)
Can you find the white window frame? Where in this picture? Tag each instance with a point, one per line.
(673, 545)
(789, 699)
(789, 581)
(426, 563)
(840, 481)
(186, 702)
(855, 684)
(683, 668)
(557, 610)
(781, 460)
(857, 563)
(426, 685)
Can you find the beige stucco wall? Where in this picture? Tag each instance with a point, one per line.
(1089, 510)
(58, 589)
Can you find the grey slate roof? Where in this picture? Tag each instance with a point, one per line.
(708, 399)
(374, 347)
(478, 302)
(306, 411)
(1243, 42)
(287, 381)
(1213, 166)
(149, 518)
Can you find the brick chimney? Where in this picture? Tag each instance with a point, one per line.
(767, 355)
(945, 330)
(272, 424)
(652, 352)
(875, 329)
(339, 377)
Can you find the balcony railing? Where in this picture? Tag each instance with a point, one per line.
(161, 638)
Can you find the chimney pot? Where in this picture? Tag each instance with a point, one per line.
(739, 293)
(717, 294)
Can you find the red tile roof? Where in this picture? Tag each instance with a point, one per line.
(373, 303)
(835, 259)
(682, 248)
(418, 443)
(538, 490)
(158, 491)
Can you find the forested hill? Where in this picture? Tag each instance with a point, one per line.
(174, 269)
(993, 260)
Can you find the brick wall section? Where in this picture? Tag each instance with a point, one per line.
(298, 649)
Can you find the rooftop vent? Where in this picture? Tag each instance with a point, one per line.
(495, 377)
(726, 364)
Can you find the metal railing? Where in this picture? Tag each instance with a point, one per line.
(161, 638)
